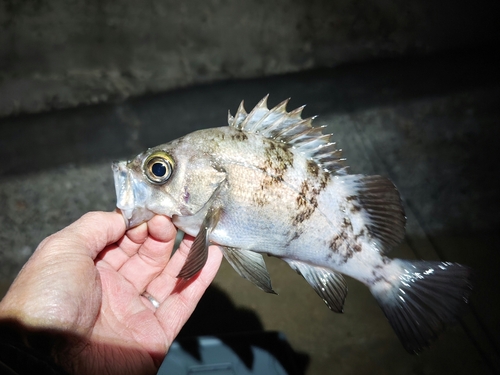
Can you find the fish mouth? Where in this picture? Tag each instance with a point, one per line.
(132, 195)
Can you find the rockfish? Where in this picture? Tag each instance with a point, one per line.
(271, 183)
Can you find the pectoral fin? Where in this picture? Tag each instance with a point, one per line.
(198, 253)
(331, 286)
(249, 265)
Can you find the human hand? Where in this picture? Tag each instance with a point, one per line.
(86, 283)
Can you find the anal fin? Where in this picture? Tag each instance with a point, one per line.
(249, 265)
(330, 286)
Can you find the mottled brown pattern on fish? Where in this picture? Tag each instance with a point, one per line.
(306, 202)
(355, 208)
(269, 189)
(377, 277)
(304, 214)
(312, 168)
(239, 136)
(345, 244)
(307, 198)
(385, 261)
(359, 235)
(260, 198)
(377, 273)
(354, 203)
(324, 178)
(296, 234)
(346, 223)
(301, 199)
(277, 159)
(338, 242)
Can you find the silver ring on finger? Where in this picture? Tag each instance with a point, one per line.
(151, 299)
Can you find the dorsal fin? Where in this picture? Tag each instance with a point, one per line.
(292, 129)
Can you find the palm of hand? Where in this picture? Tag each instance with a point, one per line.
(98, 292)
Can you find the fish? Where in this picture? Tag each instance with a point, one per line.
(272, 183)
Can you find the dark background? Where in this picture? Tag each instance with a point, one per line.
(409, 90)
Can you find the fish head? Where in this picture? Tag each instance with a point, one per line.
(175, 179)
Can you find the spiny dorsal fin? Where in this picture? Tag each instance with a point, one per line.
(292, 129)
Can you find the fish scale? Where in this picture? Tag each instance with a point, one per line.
(271, 183)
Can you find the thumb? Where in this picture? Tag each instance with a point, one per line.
(88, 236)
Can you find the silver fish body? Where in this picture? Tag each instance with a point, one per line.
(271, 183)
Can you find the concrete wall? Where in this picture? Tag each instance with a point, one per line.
(61, 53)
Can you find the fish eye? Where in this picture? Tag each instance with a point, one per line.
(158, 167)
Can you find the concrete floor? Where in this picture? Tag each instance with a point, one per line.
(430, 124)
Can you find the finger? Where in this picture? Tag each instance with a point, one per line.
(133, 239)
(88, 235)
(116, 255)
(154, 254)
(178, 306)
(163, 285)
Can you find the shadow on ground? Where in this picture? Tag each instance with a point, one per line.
(238, 328)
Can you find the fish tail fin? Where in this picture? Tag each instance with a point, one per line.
(422, 298)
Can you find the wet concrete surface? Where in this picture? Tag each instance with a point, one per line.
(430, 124)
